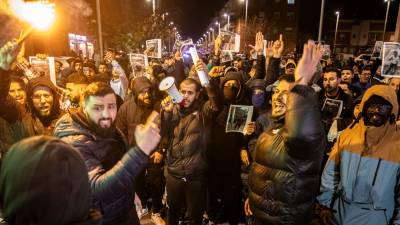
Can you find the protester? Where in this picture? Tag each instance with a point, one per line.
(336, 106)
(75, 86)
(290, 151)
(186, 128)
(44, 102)
(18, 90)
(15, 121)
(43, 181)
(111, 165)
(359, 182)
(133, 112)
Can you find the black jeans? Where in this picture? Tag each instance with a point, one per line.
(150, 184)
(190, 193)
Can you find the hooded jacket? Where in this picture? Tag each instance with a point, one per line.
(111, 166)
(132, 113)
(50, 121)
(43, 181)
(285, 173)
(361, 178)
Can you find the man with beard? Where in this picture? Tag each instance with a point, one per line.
(133, 112)
(360, 181)
(111, 165)
(185, 128)
(44, 102)
(284, 177)
(75, 87)
(331, 98)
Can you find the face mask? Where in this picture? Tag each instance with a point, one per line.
(258, 100)
(377, 114)
(230, 93)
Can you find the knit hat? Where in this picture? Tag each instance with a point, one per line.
(44, 181)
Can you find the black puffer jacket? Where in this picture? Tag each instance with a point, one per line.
(284, 177)
(112, 168)
(188, 140)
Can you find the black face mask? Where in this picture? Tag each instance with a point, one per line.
(377, 114)
(230, 93)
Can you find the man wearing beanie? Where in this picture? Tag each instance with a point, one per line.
(112, 166)
(43, 181)
(44, 102)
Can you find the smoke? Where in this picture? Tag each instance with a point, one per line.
(11, 26)
(77, 7)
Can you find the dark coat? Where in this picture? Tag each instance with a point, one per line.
(16, 122)
(187, 132)
(284, 177)
(131, 113)
(111, 166)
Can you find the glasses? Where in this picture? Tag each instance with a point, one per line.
(39, 97)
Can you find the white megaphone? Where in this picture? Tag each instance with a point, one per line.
(168, 85)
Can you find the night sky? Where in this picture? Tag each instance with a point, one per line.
(193, 16)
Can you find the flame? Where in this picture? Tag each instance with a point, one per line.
(40, 14)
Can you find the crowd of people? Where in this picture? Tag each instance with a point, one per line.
(103, 144)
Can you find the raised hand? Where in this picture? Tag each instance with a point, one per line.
(217, 45)
(147, 136)
(245, 157)
(270, 50)
(167, 104)
(278, 47)
(307, 65)
(259, 45)
(157, 157)
(8, 54)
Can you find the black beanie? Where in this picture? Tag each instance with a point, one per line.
(44, 181)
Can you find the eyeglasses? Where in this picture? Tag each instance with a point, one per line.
(40, 96)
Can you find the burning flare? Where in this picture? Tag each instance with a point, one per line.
(40, 14)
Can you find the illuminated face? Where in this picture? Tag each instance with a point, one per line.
(347, 76)
(364, 76)
(145, 97)
(279, 99)
(189, 93)
(290, 69)
(43, 100)
(17, 93)
(395, 83)
(101, 110)
(88, 72)
(74, 91)
(58, 66)
(78, 67)
(331, 82)
(102, 68)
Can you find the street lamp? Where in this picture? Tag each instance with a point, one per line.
(247, 7)
(321, 20)
(229, 19)
(336, 30)
(387, 14)
(219, 26)
(154, 6)
(164, 15)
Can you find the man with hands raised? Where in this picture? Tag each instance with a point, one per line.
(284, 177)
(111, 165)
